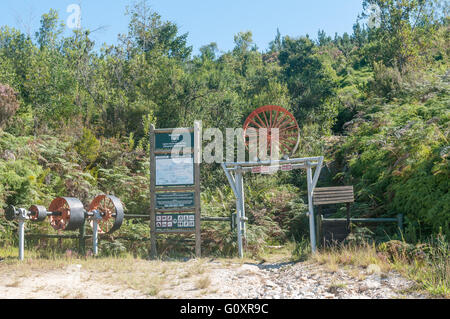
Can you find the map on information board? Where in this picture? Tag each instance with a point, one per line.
(173, 171)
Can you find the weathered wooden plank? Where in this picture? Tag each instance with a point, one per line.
(334, 193)
(338, 201)
(325, 197)
(337, 188)
(330, 198)
(334, 200)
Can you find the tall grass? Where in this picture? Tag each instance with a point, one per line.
(427, 264)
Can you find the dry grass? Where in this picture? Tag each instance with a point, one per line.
(150, 277)
(203, 283)
(14, 284)
(362, 256)
(353, 258)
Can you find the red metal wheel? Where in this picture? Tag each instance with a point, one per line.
(112, 213)
(59, 222)
(273, 116)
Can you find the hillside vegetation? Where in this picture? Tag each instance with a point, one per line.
(74, 120)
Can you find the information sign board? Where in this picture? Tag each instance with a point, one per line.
(175, 200)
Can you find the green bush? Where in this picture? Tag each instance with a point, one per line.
(87, 146)
(8, 104)
(396, 155)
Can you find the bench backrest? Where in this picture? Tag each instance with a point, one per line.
(333, 195)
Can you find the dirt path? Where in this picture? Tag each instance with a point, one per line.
(203, 279)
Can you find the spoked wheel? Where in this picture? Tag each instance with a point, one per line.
(67, 213)
(271, 117)
(111, 210)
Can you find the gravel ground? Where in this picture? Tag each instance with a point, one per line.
(309, 281)
(220, 280)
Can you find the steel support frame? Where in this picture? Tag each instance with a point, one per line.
(236, 182)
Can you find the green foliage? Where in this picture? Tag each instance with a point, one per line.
(311, 81)
(429, 262)
(301, 251)
(87, 146)
(81, 127)
(8, 104)
(161, 36)
(359, 236)
(395, 152)
(114, 248)
(405, 31)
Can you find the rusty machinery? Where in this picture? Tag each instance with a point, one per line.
(105, 214)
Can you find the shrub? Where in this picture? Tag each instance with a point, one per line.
(396, 250)
(87, 146)
(113, 248)
(387, 81)
(8, 104)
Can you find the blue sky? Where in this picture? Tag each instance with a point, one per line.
(205, 20)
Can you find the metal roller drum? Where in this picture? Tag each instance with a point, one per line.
(38, 213)
(67, 213)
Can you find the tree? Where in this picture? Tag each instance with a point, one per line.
(243, 42)
(359, 35)
(322, 38)
(49, 31)
(147, 32)
(8, 104)
(310, 81)
(403, 32)
(276, 44)
(209, 51)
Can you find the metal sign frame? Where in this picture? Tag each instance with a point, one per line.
(237, 185)
(195, 188)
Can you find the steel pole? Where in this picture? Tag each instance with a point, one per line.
(21, 232)
(95, 237)
(242, 202)
(238, 180)
(312, 229)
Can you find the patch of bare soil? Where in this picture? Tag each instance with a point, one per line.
(71, 283)
(203, 279)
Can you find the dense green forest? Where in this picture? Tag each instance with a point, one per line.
(74, 120)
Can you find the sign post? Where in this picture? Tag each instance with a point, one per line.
(175, 183)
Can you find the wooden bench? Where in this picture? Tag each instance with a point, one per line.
(333, 231)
